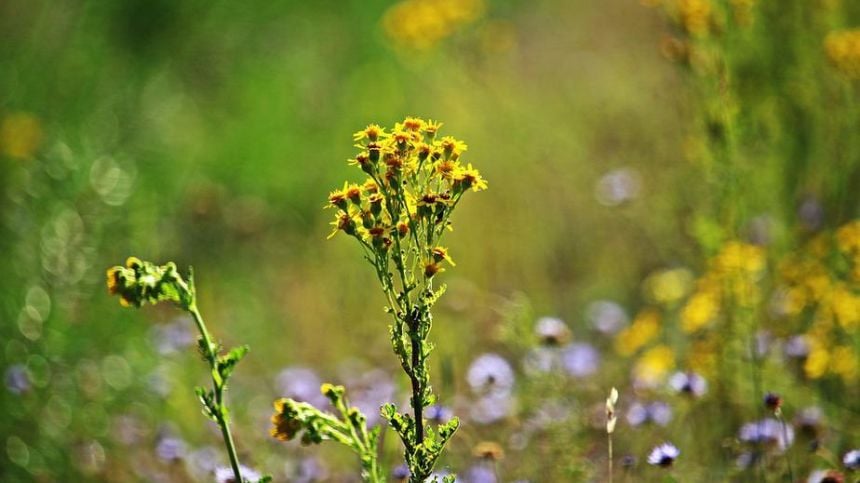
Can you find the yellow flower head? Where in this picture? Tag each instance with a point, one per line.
(284, 427)
(843, 51)
(653, 366)
(372, 133)
(440, 253)
(644, 328)
(469, 177)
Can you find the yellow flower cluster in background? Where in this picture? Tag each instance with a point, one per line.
(821, 284)
(421, 24)
(843, 51)
(695, 16)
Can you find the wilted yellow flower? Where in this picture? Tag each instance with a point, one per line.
(644, 328)
(20, 135)
(653, 366)
(843, 51)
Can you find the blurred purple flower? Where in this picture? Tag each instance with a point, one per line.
(438, 413)
(747, 459)
(172, 337)
(17, 379)
(491, 407)
(580, 359)
(767, 431)
(811, 213)
(301, 384)
(170, 448)
(541, 360)
(490, 374)
(551, 330)
(796, 346)
(203, 461)
(400, 473)
(370, 391)
(617, 186)
(480, 473)
(656, 412)
(309, 470)
(851, 460)
(225, 474)
(688, 383)
(664, 455)
(606, 316)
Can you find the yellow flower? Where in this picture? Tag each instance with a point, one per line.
(337, 198)
(431, 128)
(695, 16)
(469, 177)
(700, 309)
(653, 366)
(452, 148)
(643, 329)
(848, 238)
(739, 259)
(668, 286)
(843, 51)
(845, 306)
(817, 361)
(844, 363)
(285, 428)
(440, 253)
(372, 133)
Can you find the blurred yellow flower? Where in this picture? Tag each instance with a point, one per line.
(421, 24)
(653, 366)
(843, 51)
(668, 286)
(643, 329)
(20, 135)
(700, 309)
(695, 16)
(846, 306)
(739, 259)
(844, 363)
(818, 358)
(848, 237)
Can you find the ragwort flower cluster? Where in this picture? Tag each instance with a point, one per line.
(398, 215)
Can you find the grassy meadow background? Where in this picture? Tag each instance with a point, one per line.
(641, 153)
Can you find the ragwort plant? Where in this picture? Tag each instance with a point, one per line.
(140, 282)
(398, 216)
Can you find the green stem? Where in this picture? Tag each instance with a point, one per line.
(218, 387)
(609, 438)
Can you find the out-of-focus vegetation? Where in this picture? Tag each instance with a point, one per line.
(672, 211)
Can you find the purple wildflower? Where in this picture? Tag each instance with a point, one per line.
(580, 359)
(688, 383)
(664, 455)
(606, 316)
(490, 373)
